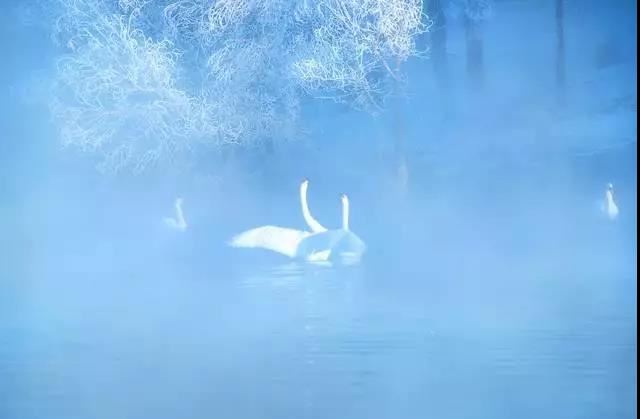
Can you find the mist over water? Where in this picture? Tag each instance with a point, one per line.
(492, 287)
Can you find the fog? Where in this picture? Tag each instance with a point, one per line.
(493, 285)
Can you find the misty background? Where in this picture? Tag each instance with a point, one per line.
(493, 286)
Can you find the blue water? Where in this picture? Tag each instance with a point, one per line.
(493, 315)
(306, 342)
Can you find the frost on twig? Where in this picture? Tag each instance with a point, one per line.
(351, 44)
(141, 82)
(116, 94)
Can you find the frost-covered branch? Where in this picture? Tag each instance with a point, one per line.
(351, 43)
(141, 82)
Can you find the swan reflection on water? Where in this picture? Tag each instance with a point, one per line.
(301, 275)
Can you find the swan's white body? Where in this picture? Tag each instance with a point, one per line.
(609, 205)
(178, 223)
(277, 239)
(340, 243)
(318, 246)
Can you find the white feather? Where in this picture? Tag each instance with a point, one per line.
(321, 256)
(277, 239)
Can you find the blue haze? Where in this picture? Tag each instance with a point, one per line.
(492, 288)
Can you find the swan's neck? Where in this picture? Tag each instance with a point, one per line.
(179, 214)
(303, 201)
(311, 222)
(345, 213)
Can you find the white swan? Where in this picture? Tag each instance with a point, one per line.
(313, 224)
(312, 247)
(342, 243)
(609, 206)
(177, 223)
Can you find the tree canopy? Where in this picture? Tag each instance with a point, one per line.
(142, 81)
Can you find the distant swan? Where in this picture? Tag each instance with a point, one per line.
(313, 224)
(177, 223)
(609, 206)
(312, 247)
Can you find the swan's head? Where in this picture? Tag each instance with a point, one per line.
(178, 202)
(344, 198)
(610, 187)
(304, 184)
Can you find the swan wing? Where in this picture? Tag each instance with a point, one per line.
(609, 208)
(277, 239)
(350, 243)
(320, 256)
(613, 211)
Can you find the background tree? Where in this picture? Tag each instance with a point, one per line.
(438, 44)
(560, 53)
(144, 82)
(475, 13)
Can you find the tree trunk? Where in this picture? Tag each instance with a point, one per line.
(475, 54)
(400, 134)
(560, 54)
(402, 169)
(435, 11)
